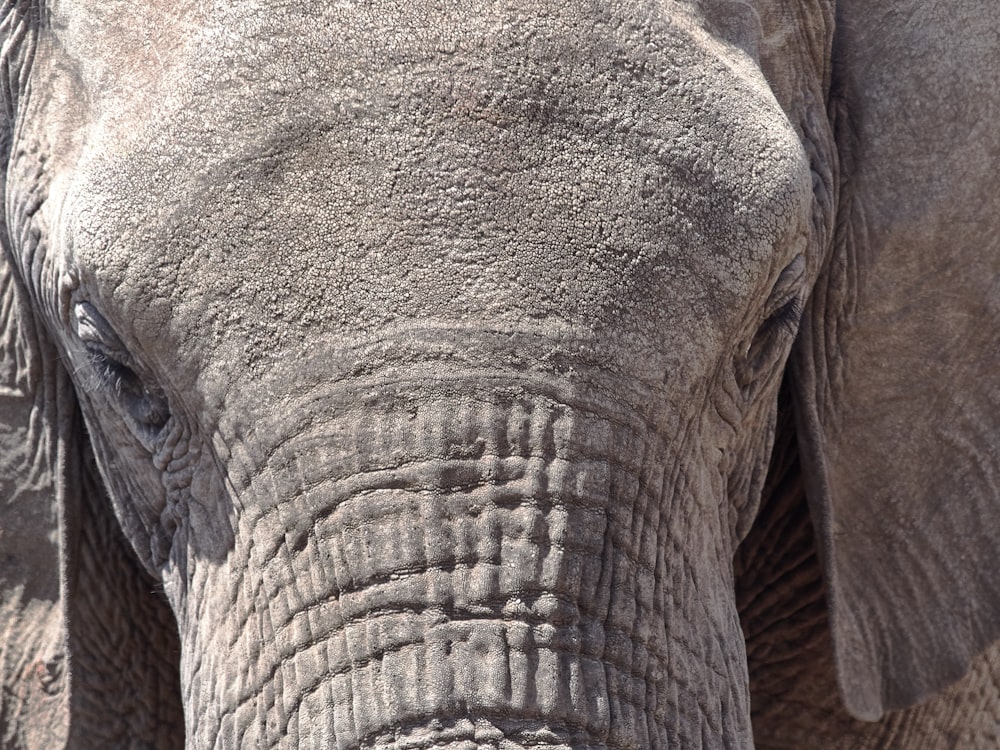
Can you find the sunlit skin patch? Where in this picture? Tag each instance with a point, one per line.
(421, 369)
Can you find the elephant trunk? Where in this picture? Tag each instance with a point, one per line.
(449, 566)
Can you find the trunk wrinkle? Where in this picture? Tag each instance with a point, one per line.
(520, 561)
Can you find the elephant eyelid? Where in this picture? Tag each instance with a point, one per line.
(112, 370)
(781, 317)
(787, 316)
(109, 371)
(782, 320)
(145, 409)
(93, 329)
(109, 362)
(785, 301)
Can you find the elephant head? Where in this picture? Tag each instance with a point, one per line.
(426, 359)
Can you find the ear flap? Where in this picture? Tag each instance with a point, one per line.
(35, 415)
(897, 366)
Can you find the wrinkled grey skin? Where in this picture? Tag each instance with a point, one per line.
(427, 359)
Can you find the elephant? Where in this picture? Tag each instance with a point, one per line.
(511, 374)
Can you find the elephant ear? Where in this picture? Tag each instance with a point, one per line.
(35, 409)
(897, 365)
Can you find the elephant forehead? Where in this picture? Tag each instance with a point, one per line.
(606, 171)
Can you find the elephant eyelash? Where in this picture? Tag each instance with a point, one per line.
(108, 369)
(109, 373)
(787, 316)
(146, 409)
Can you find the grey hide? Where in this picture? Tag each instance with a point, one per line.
(508, 374)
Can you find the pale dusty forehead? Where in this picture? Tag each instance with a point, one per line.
(514, 160)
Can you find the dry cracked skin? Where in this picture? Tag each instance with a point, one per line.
(520, 374)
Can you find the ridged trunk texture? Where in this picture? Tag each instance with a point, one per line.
(448, 570)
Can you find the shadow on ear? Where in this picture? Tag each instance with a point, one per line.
(88, 650)
(36, 471)
(897, 365)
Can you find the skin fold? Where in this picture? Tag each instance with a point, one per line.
(499, 375)
(793, 685)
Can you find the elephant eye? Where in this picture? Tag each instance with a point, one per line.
(786, 317)
(112, 372)
(783, 310)
(108, 371)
